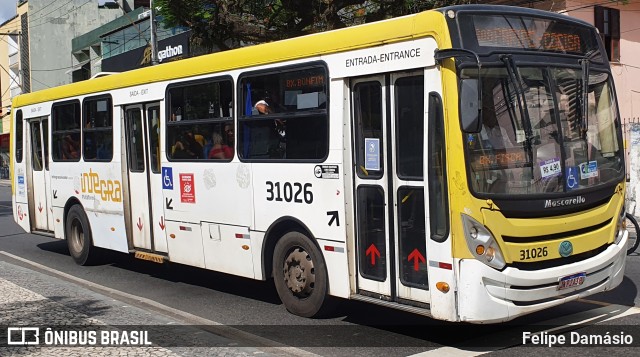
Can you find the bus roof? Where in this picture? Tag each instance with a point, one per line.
(428, 23)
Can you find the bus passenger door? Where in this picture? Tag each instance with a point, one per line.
(142, 123)
(388, 137)
(40, 183)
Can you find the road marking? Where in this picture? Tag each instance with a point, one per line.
(564, 323)
(214, 327)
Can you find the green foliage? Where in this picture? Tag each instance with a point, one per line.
(225, 24)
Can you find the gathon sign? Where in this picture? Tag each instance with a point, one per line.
(169, 52)
(171, 49)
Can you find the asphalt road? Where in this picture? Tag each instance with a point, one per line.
(353, 329)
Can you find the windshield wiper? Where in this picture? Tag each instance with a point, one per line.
(516, 79)
(585, 63)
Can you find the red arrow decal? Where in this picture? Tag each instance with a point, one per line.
(373, 251)
(161, 222)
(417, 258)
(20, 213)
(40, 207)
(139, 223)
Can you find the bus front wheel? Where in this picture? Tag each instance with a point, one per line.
(300, 274)
(78, 235)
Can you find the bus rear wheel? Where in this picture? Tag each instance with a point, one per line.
(300, 274)
(78, 235)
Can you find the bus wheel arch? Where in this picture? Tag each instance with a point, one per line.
(77, 232)
(298, 267)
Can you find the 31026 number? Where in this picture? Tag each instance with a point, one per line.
(526, 254)
(289, 192)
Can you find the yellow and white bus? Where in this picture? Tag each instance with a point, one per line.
(464, 163)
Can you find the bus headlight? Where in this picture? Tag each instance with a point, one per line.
(621, 225)
(481, 243)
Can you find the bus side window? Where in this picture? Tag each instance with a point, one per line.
(98, 129)
(200, 126)
(65, 131)
(284, 114)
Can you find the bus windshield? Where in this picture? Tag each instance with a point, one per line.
(534, 137)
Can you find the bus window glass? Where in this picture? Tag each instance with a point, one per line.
(437, 174)
(98, 129)
(136, 144)
(368, 117)
(412, 233)
(18, 138)
(36, 147)
(284, 115)
(371, 231)
(65, 131)
(409, 103)
(153, 116)
(200, 125)
(548, 147)
(45, 137)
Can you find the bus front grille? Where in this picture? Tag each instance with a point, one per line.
(556, 236)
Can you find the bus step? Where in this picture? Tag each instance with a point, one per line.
(156, 258)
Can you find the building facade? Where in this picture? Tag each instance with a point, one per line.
(51, 29)
(11, 62)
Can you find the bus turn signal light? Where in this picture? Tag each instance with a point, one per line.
(480, 249)
(442, 286)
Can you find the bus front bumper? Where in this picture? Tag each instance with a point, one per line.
(486, 295)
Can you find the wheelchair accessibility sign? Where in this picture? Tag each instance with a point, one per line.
(167, 178)
(571, 178)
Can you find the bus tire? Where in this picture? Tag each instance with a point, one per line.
(78, 235)
(300, 274)
(633, 244)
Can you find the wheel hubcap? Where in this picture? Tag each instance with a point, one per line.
(299, 274)
(77, 236)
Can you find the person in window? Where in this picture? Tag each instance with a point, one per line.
(70, 148)
(263, 106)
(219, 150)
(230, 137)
(179, 151)
(104, 150)
(191, 146)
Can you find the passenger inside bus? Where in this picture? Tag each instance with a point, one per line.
(186, 147)
(230, 138)
(219, 150)
(262, 106)
(105, 149)
(70, 148)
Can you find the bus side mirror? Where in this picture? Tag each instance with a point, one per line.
(470, 109)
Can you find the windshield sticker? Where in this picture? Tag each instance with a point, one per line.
(571, 178)
(520, 136)
(588, 170)
(550, 168)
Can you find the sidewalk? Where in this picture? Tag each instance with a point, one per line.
(29, 298)
(5, 182)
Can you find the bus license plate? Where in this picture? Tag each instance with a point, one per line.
(572, 281)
